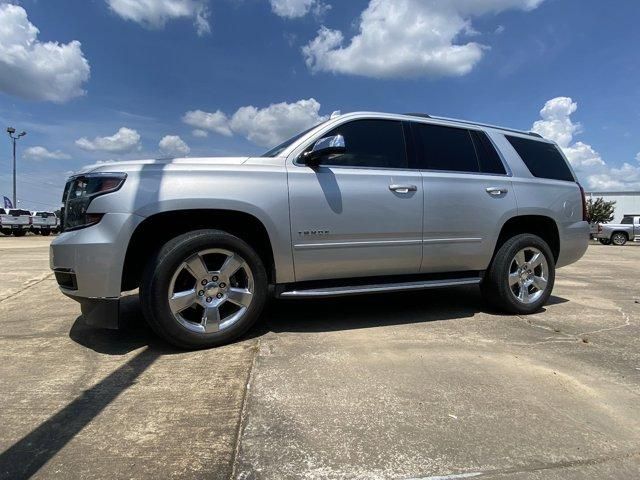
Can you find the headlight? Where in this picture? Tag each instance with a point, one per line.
(78, 193)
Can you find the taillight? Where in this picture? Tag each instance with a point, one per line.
(585, 215)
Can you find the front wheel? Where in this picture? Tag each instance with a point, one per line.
(618, 239)
(521, 275)
(19, 233)
(203, 289)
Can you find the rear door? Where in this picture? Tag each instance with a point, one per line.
(467, 196)
(359, 213)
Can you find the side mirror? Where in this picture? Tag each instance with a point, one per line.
(324, 147)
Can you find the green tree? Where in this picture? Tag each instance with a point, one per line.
(600, 211)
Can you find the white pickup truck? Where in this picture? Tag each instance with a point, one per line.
(15, 221)
(44, 223)
(619, 233)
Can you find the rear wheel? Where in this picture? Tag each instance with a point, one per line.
(45, 233)
(19, 233)
(521, 275)
(203, 289)
(619, 239)
(605, 241)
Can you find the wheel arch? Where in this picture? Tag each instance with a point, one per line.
(159, 228)
(543, 226)
(626, 234)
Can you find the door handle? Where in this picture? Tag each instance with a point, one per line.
(402, 188)
(495, 191)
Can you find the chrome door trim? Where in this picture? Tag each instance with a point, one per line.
(373, 243)
(451, 240)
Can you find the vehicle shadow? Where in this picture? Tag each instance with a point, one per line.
(370, 311)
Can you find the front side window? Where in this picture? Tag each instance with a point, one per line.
(370, 143)
(445, 148)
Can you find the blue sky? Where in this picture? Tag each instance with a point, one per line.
(126, 89)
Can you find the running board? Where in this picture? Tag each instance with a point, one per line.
(377, 288)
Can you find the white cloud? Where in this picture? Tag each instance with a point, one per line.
(407, 38)
(298, 8)
(272, 125)
(156, 13)
(174, 146)
(41, 153)
(38, 70)
(204, 121)
(638, 156)
(124, 140)
(592, 170)
(263, 126)
(199, 133)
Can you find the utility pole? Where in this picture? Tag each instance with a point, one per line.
(11, 131)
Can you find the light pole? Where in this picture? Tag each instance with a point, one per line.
(11, 131)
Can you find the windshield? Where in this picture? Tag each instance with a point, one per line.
(274, 152)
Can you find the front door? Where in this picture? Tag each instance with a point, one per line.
(359, 213)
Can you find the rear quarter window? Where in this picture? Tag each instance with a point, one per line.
(543, 160)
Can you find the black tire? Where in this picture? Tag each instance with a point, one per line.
(6, 231)
(19, 233)
(156, 282)
(495, 285)
(605, 241)
(45, 233)
(619, 239)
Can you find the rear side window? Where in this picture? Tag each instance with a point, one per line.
(488, 157)
(542, 159)
(445, 148)
(627, 221)
(371, 143)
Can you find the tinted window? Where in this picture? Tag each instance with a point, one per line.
(370, 143)
(488, 157)
(445, 148)
(17, 213)
(542, 159)
(627, 221)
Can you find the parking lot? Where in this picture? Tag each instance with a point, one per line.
(420, 385)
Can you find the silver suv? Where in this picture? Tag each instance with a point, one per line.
(362, 203)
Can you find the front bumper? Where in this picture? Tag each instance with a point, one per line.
(95, 255)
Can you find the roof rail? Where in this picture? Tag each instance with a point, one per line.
(479, 124)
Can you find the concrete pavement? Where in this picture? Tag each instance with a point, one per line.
(427, 384)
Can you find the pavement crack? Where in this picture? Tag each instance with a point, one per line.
(243, 410)
(33, 283)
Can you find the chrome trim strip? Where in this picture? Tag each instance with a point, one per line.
(391, 287)
(451, 240)
(375, 243)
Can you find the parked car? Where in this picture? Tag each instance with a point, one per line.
(15, 222)
(619, 233)
(43, 223)
(362, 203)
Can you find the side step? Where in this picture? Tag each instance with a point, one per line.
(378, 288)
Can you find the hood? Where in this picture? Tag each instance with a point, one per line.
(135, 165)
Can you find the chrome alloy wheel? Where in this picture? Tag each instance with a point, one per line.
(211, 290)
(619, 239)
(528, 275)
